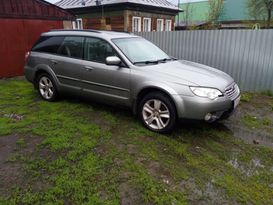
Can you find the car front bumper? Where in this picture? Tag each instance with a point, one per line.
(198, 108)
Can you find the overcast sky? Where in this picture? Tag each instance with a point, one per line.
(173, 1)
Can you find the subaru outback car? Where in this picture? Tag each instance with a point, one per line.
(124, 69)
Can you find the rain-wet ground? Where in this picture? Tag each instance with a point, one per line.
(251, 136)
(79, 152)
(253, 120)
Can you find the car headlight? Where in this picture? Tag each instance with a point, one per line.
(210, 93)
(237, 88)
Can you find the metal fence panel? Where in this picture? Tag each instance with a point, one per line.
(247, 55)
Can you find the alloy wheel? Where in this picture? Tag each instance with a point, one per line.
(46, 88)
(156, 114)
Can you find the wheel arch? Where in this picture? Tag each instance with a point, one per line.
(144, 91)
(45, 69)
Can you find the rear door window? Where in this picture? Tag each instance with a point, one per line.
(97, 50)
(72, 46)
(48, 44)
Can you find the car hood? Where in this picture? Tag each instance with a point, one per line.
(190, 73)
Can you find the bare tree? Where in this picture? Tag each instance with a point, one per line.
(216, 8)
(187, 14)
(261, 10)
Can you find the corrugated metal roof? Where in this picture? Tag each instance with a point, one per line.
(69, 4)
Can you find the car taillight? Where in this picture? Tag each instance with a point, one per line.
(27, 55)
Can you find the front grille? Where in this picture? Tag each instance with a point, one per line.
(232, 91)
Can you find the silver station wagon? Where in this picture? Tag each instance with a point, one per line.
(124, 69)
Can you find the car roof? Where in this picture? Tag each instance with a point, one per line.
(92, 33)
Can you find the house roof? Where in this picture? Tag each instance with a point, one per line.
(33, 9)
(71, 4)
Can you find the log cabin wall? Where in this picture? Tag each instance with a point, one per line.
(121, 20)
(129, 14)
(114, 23)
(111, 20)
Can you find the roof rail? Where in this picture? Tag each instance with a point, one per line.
(86, 30)
(128, 32)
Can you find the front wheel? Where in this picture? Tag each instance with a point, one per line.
(157, 112)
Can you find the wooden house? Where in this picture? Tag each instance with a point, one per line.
(122, 15)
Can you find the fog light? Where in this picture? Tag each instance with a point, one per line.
(208, 117)
(211, 117)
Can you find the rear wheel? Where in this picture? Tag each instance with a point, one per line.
(157, 112)
(46, 87)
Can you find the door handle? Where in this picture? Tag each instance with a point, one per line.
(88, 68)
(54, 62)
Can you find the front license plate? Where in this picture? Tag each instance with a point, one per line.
(236, 102)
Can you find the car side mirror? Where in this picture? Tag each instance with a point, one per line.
(113, 60)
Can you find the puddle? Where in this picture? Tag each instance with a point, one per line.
(250, 136)
(253, 167)
(209, 195)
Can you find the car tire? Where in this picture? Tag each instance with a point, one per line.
(47, 87)
(157, 112)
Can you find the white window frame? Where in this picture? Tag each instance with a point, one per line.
(139, 24)
(77, 24)
(162, 25)
(149, 24)
(168, 25)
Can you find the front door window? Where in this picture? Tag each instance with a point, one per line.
(97, 50)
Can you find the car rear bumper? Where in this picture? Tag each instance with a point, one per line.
(29, 74)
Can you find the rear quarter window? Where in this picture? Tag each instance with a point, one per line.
(48, 44)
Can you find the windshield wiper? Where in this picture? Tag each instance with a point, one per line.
(164, 59)
(155, 61)
(146, 62)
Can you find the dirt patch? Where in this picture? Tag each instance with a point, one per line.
(129, 195)
(10, 172)
(260, 105)
(7, 147)
(155, 169)
(13, 147)
(132, 149)
(259, 108)
(98, 120)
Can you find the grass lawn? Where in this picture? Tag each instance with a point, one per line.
(77, 152)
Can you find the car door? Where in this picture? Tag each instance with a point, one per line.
(68, 62)
(104, 82)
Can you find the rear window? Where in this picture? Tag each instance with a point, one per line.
(72, 46)
(48, 44)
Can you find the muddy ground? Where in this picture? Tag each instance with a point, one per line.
(79, 152)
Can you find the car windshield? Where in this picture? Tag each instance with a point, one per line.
(141, 51)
